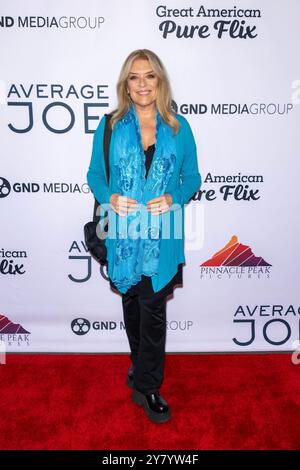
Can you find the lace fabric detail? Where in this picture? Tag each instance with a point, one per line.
(134, 257)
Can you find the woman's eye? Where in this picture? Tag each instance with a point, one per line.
(133, 77)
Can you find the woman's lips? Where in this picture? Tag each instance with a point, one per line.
(143, 92)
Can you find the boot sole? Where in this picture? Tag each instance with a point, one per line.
(140, 400)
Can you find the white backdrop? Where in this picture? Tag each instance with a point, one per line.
(238, 85)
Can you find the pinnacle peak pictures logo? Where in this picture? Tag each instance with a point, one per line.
(13, 333)
(235, 259)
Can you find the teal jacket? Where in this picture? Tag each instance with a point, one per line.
(185, 181)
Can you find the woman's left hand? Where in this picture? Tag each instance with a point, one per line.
(160, 204)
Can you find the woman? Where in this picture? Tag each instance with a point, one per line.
(151, 148)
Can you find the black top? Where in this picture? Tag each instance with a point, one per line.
(149, 156)
(144, 286)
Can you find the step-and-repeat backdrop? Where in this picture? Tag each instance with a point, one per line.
(235, 75)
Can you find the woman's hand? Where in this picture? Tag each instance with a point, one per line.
(160, 204)
(122, 205)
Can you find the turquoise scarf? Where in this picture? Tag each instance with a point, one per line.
(135, 248)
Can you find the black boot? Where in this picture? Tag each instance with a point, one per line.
(154, 405)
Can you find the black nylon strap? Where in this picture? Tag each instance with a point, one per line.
(106, 144)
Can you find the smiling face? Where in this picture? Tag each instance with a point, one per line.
(142, 83)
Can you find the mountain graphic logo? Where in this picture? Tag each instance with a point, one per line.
(7, 327)
(235, 253)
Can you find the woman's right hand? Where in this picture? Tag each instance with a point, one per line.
(122, 205)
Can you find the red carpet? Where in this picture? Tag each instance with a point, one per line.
(233, 401)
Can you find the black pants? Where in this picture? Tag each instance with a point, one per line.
(145, 323)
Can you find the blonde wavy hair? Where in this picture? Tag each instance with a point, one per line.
(164, 95)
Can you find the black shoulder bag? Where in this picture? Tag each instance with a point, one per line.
(96, 245)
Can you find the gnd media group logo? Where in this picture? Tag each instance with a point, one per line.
(81, 326)
(21, 187)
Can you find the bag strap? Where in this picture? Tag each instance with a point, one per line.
(106, 144)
